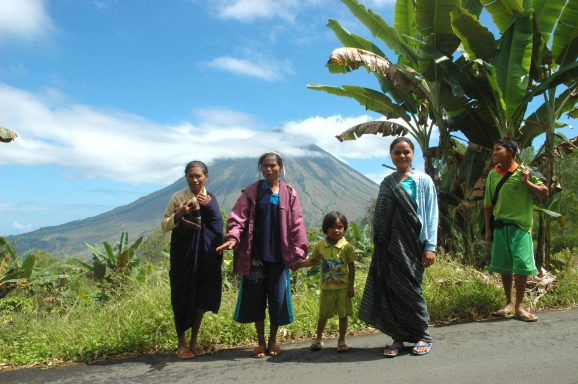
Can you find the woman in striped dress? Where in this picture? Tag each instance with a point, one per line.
(405, 233)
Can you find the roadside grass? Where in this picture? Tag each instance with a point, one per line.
(140, 319)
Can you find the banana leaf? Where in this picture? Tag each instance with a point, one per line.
(565, 40)
(386, 128)
(477, 40)
(349, 39)
(434, 24)
(547, 13)
(369, 98)
(512, 63)
(381, 29)
(503, 12)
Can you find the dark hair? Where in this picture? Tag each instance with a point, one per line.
(399, 140)
(509, 144)
(330, 219)
(196, 163)
(266, 155)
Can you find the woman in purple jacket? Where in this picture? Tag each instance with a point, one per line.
(266, 231)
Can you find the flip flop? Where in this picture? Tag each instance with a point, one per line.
(258, 352)
(503, 312)
(342, 347)
(198, 351)
(527, 317)
(316, 345)
(391, 351)
(274, 350)
(415, 348)
(184, 354)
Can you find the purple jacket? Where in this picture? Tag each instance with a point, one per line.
(240, 227)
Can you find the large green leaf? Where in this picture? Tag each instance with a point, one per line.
(512, 63)
(369, 98)
(476, 39)
(381, 29)
(503, 12)
(547, 13)
(565, 40)
(404, 19)
(434, 24)
(540, 120)
(349, 39)
(473, 6)
(471, 167)
(385, 128)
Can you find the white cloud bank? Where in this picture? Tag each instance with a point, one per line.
(25, 19)
(125, 147)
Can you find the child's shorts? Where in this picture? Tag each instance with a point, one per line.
(334, 302)
(512, 251)
(266, 286)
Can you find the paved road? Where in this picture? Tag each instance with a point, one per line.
(493, 351)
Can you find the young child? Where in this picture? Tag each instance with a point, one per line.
(336, 256)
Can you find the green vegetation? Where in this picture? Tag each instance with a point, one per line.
(131, 313)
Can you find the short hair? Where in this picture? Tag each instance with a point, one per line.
(330, 219)
(509, 144)
(400, 139)
(196, 163)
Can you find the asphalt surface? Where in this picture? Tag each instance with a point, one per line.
(491, 351)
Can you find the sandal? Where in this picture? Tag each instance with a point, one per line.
(426, 347)
(316, 345)
(526, 316)
(184, 354)
(274, 350)
(342, 347)
(198, 351)
(504, 312)
(393, 349)
(258, 352)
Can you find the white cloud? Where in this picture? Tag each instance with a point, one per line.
(256, 65)
(322, 131)
(22, 227)
(91, 143)
(251, 10)
(24, 19)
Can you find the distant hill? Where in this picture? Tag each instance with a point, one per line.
(323, 183)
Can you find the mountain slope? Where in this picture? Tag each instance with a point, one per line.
(323, 183)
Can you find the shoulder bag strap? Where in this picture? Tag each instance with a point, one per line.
(499, 186)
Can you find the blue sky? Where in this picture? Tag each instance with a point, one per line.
(110, 98)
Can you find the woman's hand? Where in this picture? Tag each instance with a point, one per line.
(428, 258)
(230, 244)
(203, 199)
(182, 210)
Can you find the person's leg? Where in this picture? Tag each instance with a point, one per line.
(341, 346)
(259, 350)
(318, 342)
(523, 261)
(197, 320)
(508, 309)
(272, 334)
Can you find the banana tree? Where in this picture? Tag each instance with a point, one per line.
(13, 270)
(484, 93)
(118, 259)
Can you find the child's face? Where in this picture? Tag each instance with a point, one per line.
(336, 231)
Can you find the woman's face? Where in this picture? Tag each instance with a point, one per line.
(196, 179)
(402, 155)
(270, 169)
(501, 154)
